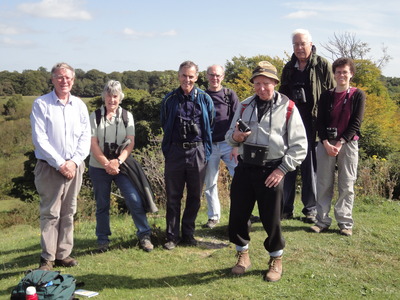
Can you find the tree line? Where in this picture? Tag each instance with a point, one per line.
(145, 90)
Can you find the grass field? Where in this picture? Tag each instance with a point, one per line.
(316, 266)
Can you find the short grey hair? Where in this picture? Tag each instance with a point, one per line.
(62, 65)
(189, 64)
(302, 32)
(112, 87)
(216, 65)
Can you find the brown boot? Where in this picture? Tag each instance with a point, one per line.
(243, 263)
(45, 265)
(274, 272)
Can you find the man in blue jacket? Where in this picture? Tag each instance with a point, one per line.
(187, 115)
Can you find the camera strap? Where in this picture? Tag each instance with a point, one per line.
(116, 125)
(185, 101)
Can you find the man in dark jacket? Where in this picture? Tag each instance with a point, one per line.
(303, 80)
(187, 116)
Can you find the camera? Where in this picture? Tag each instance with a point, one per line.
(299, 96)
(110, 150)
(332, 132)
(243, 127)
(188, 127)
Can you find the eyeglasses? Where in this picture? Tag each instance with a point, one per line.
(214, 75)
(298, 45)
(342, 72)
(60, 78)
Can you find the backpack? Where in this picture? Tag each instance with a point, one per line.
(50, 285)
(124, 116)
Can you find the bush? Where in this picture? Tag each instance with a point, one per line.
(379, 177)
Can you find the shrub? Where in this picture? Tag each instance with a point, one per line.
(379, 177)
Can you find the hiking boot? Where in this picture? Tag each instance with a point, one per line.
(45, 265)
(318, 229)
(103, 247)
(346, 231)
(243, 262)
(66, 262)
(210, 224)
(254, 219)
(287, 216)
(311, 219)
(274, 272)
(146, 244)
(189, 241)
(169, 245)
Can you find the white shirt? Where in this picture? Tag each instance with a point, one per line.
(60, 132)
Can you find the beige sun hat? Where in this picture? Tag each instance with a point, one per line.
(265, 68)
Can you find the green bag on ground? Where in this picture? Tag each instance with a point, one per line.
(49, 285)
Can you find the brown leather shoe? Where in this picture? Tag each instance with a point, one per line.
(274, 272)
(45, 265)
(243, 263)
(66, 262)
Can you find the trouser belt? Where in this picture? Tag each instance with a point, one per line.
(188, 145)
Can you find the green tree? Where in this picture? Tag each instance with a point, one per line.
(238, 72)
(13, 105)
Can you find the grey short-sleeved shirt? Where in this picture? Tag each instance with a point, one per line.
(114, 131)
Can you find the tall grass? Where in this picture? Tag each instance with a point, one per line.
(316, 266)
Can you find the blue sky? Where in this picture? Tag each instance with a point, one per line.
(158, 35)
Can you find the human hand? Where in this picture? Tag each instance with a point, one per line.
(68, 169)
(239, 136)
(274, 178)
(332, 150)
(112, 167)
(234, 154)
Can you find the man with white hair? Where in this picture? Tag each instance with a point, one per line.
(303, 80)
(61, 136)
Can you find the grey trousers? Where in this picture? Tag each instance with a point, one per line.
(58, 201)
(346, 161)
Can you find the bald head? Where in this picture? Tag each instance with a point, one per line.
(215, 75)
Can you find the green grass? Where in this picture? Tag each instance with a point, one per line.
(316, 266)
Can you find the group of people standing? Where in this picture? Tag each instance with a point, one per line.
(263, 140)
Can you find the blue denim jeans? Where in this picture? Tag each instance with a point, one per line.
(220, 151)
(102, 189)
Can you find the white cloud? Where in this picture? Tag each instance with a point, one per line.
(7, 42)
(56, 9)
(9, 30)
(131, 33)
(301, 14)
(169, 33)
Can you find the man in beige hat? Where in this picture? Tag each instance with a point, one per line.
(274, 144)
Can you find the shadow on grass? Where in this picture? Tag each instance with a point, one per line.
(130, 283)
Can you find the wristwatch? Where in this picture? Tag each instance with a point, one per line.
(120, 161)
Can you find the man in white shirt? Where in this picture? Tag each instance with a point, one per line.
(61, 136)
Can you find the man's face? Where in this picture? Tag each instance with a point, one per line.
(187, 77)
(215, 75)
(63, 81)
(264, 87)
(301, 47)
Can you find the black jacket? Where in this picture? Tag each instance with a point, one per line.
(357, 113)
(134, 171)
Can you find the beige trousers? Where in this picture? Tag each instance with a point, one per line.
(58, 201)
